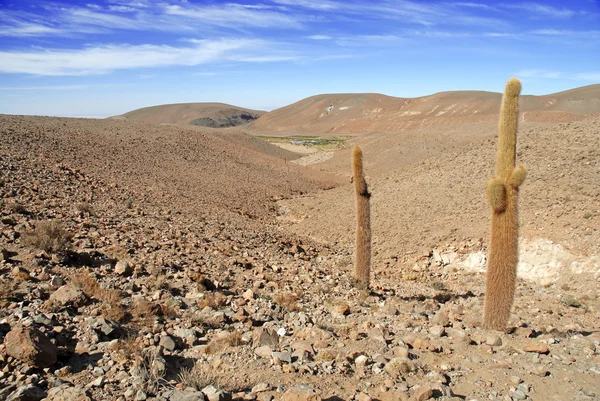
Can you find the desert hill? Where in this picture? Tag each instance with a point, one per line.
(199, 168)
(214, 115)
(336, 114)
(145, 261)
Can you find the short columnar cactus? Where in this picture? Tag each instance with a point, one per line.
(362, 261)
(503, 191)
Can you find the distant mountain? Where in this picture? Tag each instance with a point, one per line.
(215, 115)
(355, 113)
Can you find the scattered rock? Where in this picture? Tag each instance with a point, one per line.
(570, 300)
(67, 295)
(178, 395)
(493, 340)
(167, 343)
(264, 352)
(123, 268)
(214, 394)
(27, 393)
(536, 347)
(300, 394)
(264, 336)
(422, 393)
(31, 346)
(67, 394)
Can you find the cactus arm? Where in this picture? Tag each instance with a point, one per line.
(517, 177)
(496, 191)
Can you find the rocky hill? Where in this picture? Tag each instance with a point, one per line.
(339, 114)
(213, 115)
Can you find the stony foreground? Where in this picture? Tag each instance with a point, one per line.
(109, 294)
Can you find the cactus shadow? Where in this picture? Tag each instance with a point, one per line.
(441, 297)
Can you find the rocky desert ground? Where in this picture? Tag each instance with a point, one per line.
(142, 261)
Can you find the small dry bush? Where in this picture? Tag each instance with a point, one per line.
(110, 299)
(143, 312)
(287, 299)
(86, 283)
(130, 348)
(199, 376)
(85, 208)
(6, 291)
(223, 341)
(16, 207)
(111, 307)
(151, 369)
(49, 236)
(213, 300)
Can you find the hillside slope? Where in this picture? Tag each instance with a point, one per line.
(213, 115)
(336, 114)
(200, 168)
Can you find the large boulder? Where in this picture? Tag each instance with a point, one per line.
(31, 346)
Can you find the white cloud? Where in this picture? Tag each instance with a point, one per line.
(103, 59)
(542, 10)
(545, 74)
(233, 15)
(539, 74)
(27, 29)
(588, 76)
(567, 33)
(319, 37)
(44, 87)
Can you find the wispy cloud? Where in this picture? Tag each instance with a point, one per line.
(103, 59)
(566, 33)
(27, 29)
(546, 74)
(539, 74)
(319, 37)
(45, 87)
(234, 15)
(542, 10)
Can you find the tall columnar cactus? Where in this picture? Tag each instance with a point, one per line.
(362, 261)
(503, 191)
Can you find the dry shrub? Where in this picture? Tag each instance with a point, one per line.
(111, 307)
(151, 369)
(213, 300)
(168, 309)
(6, 291)
(49, 236)
(130, 348)
(86, 283)
(199, 376)
(110, 299)
(85, 208)
(16, 207)
(142, 311)
(287, 299)
(223, 341)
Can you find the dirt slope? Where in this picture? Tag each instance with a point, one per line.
(204, 169)
(339, 114)
(214, 115)
(429, 189)
(169, 285)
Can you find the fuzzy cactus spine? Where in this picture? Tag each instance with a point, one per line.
(362, 260)
(503, 191)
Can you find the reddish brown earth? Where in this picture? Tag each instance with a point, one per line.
(347, 114)
(220, 239)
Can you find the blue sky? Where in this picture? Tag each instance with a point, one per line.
(102, 58)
